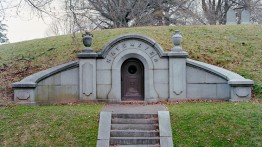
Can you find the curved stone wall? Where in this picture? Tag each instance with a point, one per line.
(55, 85)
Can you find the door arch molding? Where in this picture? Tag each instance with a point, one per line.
(115, 92)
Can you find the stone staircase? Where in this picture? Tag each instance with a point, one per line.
(138, 130)
(138, 126)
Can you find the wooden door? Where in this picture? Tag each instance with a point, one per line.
(132, 80)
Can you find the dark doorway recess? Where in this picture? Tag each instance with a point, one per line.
(132, 80)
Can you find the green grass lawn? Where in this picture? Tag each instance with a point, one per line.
(75, 125)
(193, 124)
(234, 47)
(217, 124)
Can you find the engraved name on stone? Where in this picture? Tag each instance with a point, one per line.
(108, 60)
(140, 45)
(113, 53)
(132, 44)
(137, 45)
(124, 45)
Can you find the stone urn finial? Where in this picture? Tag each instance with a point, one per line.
(177, 39)
(87, 41)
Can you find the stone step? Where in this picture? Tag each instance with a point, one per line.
(132, 133)
(134, 121)
(134, 126)
(134, 116)
(135, 145)
(134, 140)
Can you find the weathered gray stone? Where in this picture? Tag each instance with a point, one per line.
(240, 82)
(103, 91)
(140, 111)
(84, 55)
(87, 75)
(134, 127)
(223, 91)
(204, 91)
(32, 80)
(160, 63)
(104, 77)
(127, 37)
(211, 78)
(42, 95)
(165, 129)
(70, 77)
(134, 140)
(181, 54)
(177, 79)
(245, 17)
(134, 121)
(104, 129)
(53, 80)
(105, 64)
(240, 93)
(104, 125)
(161, 76)
(226, 74)
(162, 90)
(197, 75)
(164, 124)
(166, 142)
(231, 17)
(167, 76)
(115, 92)
(102, 143)
(63, 94)
(24, 96)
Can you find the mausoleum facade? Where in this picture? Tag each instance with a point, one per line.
(132, 68)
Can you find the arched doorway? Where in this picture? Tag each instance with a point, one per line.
(132, 80)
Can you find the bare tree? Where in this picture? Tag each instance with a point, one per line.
(253, 6)
(256, 11)
(3, 37)
(215, 10)
(112, 13)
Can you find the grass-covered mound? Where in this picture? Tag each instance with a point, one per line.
(197, 124)
(234, 47)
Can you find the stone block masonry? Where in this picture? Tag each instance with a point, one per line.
(132, 68)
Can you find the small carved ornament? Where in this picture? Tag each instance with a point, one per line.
(242, 91)
(23, 95)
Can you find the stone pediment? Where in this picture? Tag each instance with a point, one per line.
(132, 41)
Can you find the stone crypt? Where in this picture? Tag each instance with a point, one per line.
(132, 68)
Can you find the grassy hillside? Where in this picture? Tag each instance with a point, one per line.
(198, 124)
(234, 47)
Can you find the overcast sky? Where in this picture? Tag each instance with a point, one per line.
(21, 29)
(26, 26)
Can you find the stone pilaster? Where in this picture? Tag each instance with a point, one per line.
(177, 75)
(87, 76)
